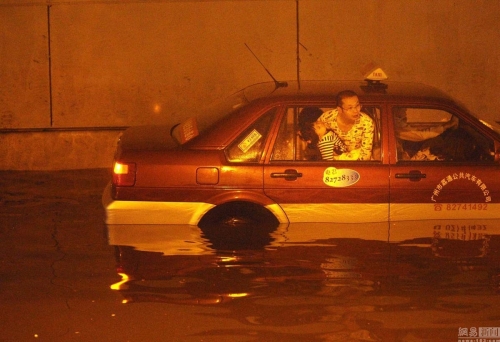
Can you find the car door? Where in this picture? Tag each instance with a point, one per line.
(309, 189)
(444, 166)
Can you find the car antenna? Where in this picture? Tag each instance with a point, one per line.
(277, 84)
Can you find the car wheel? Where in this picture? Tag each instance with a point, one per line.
(238, 225)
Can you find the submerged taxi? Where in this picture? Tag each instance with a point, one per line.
(430, 159)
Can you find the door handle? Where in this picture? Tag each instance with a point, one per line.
(413, 175)
(289, 174)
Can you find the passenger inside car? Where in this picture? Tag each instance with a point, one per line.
(297, 140)
(315, 133)
(355, 128)
(309, 151)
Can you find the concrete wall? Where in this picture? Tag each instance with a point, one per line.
(72, 71)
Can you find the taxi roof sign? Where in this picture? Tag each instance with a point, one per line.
(373, 80)
(376, 75)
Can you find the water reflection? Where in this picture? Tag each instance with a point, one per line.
(389, 282)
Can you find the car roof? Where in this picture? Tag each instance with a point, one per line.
(328, 89)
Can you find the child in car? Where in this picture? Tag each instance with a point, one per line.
(315, 133)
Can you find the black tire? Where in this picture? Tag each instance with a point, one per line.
(238, 226)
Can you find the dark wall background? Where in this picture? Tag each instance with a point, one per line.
(72, 71)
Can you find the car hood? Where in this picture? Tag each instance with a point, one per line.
(149, 138)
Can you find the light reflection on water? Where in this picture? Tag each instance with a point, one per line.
(411, 281)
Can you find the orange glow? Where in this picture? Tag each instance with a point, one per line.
(120, 169)
(228, 259)
(118, 285)
(237, 295)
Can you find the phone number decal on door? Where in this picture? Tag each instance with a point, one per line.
(340, 178)
(461, 206)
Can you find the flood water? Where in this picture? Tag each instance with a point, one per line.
(66, 276)
(407, 281)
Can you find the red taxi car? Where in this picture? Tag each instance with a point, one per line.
(253, 165)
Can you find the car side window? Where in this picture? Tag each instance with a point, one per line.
(427, 134)
(374, 113)
(293, 143)
(249, 145)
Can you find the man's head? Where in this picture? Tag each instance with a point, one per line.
(348, 105)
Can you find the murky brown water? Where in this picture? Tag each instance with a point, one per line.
(65, 275)
(412, 281)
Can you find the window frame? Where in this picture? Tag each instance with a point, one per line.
(297, 108)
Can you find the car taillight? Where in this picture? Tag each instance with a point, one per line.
(124, 174)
